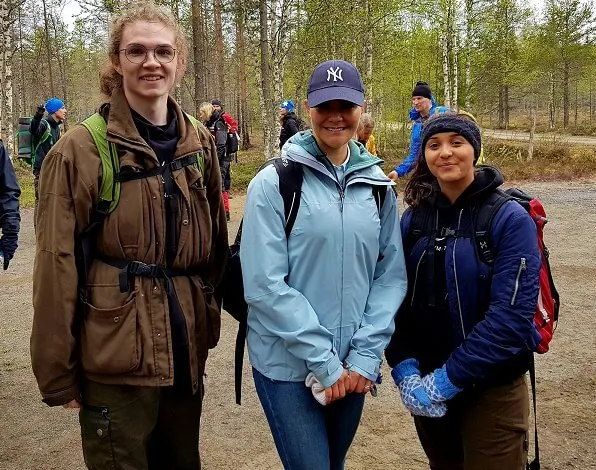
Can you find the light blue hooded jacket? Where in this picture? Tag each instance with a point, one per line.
(328, 294)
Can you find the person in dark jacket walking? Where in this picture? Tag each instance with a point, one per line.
(44, 134)
(464, 335)
(10, 217)
(288, 120)
(219, 130)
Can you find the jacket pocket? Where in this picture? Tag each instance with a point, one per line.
(110, 340)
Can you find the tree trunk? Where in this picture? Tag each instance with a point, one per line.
(501, 119)
(532, 131)
(576, 100)
(368, 54)
(551, 102)
(178, 87)
(22, 98)
(48, 48)
(219, 50)
(198, 38)
(566, 94)
(266, 114)
(455, 68)
(506, 105)
(6, 99)
(241, 52)
(446, 73)
(468, 49)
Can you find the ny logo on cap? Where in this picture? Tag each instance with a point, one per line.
(336, 73)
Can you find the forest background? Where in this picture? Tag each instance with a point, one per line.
(513, 64)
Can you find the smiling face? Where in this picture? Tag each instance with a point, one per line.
(334, 123)
(450, 158)
(149, 80)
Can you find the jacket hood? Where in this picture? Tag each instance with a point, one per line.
(414, 115)
(486, 180)
(304, 148)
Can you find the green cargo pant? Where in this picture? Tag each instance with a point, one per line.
(484, 429)
(140, 428)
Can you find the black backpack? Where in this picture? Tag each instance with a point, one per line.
(232, 143)
(232, 288)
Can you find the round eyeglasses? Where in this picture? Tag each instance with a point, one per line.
(137, 54)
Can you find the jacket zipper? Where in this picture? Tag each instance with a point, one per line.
(522, 267)
(416, 278)
(461, 317)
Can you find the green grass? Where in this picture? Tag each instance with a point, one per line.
(550, 161)
(25, 178)
(249, 162)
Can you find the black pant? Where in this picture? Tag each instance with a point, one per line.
(140, 428)
(484, 429)
(226, 177)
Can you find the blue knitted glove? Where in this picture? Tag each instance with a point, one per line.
(438, 386)
(407, 378)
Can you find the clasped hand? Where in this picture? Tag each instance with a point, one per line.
(349, 382)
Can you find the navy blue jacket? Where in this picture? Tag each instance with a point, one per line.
(9, 195)
(486, 333)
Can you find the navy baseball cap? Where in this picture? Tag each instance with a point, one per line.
(335, 80)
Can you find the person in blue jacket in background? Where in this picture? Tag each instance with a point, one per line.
(423, 106)
(465, 334)
(10, 217)
(322, 301)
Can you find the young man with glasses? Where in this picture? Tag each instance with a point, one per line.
(126, 340)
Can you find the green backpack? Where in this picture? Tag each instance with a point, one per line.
(27, 146)
(109, 192)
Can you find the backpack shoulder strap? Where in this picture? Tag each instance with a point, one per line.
(379, 194)
(47, 134)
(109, 193)
(290, 187)
(201, 157)
(421, 224)
(486, 212)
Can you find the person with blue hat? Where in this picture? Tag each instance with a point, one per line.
(44, 134)
(321, 300)
(290, 123)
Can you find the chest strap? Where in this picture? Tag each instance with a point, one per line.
(174, 165)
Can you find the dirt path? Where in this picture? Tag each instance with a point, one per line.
(549, 137)
(33, 436)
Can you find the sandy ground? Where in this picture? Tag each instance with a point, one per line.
(33, 436)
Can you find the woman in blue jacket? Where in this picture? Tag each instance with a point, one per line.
(465, 333)
(322, 301)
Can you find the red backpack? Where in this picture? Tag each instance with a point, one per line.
(546, 316)
(547, 307)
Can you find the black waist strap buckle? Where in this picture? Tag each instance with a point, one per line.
(137, 268)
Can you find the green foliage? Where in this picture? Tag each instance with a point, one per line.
(25, 177)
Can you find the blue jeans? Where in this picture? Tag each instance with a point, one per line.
(308, 436)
